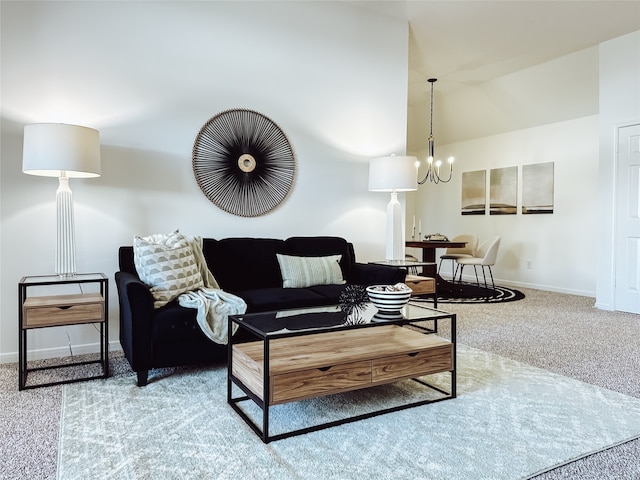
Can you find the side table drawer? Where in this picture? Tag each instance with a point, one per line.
(421, 285)
(287, 387)
(62, 310)
(434, 360)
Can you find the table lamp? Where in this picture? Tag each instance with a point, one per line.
(63, 151)
(394, 174)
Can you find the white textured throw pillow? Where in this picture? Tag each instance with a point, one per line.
(167, 265)
(300, 272)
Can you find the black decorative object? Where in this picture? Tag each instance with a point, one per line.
(353, 301)
(243, 162)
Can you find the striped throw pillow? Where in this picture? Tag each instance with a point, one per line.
(300, 272)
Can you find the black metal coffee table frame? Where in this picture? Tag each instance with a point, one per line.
(245, 322)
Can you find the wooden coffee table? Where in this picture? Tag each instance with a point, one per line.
(311, 352)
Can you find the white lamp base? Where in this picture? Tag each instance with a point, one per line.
(395, 232)
(66, 240)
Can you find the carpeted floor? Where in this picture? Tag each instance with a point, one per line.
(559, 333)
(509, 421)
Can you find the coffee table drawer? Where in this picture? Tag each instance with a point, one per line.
(303, 384)
(434, 360)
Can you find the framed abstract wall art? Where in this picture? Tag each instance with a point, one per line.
(503, 191)
(474, 192)
(537, 188)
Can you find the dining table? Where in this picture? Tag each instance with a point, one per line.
(430, 269)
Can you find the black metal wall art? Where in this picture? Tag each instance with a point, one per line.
(243, 162)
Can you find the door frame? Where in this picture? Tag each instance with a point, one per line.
(616, 228)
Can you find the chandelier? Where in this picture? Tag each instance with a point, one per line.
(433, 168)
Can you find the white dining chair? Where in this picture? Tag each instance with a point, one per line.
(485, 256)
(453, 254)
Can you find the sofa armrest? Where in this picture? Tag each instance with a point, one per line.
(372, 274)
(136, 320)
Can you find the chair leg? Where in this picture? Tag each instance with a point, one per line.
(453, 263)
(493, 285)
(456, 271)
(461, 270)
(475, 269)
(492, 282)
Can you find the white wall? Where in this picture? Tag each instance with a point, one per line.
(619, 104)
(570, 250)
(556, 244)
(148, 75)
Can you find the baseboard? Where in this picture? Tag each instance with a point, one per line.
(547, 288)
(534, 286)
(57, 352)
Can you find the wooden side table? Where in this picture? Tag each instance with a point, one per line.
(419, 284)
(44, 311)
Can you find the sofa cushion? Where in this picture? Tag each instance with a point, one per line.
(268, 299)
(330, 292)
(166, 264)
(321, 247)
(300, 272)
(244, 263)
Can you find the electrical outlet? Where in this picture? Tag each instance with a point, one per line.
(529, 264)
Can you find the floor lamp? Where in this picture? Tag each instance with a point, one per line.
(63, 151)
(394, 174)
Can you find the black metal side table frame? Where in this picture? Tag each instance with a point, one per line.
(49, 280)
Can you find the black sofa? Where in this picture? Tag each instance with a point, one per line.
(247, 267)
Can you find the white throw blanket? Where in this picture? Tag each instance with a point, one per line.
(214, 305)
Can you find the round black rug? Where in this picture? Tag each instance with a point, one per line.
(471, 293)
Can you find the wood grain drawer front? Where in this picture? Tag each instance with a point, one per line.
(304, 384)
(434, 360)
(62, 310)
(248, 371)
(421, 285)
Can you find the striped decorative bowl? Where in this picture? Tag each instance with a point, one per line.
(387, 300)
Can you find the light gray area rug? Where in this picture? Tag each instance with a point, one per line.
(510, 421)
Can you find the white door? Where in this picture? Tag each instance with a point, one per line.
(627, 228)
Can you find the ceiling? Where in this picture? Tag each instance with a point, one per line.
(470, 45)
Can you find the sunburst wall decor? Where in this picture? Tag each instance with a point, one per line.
(243, 162)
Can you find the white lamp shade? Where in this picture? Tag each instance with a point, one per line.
(50, 149)
(388, 174)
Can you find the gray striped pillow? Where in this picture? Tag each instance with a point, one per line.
(300, 272)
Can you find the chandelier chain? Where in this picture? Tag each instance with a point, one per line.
(433, 167)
